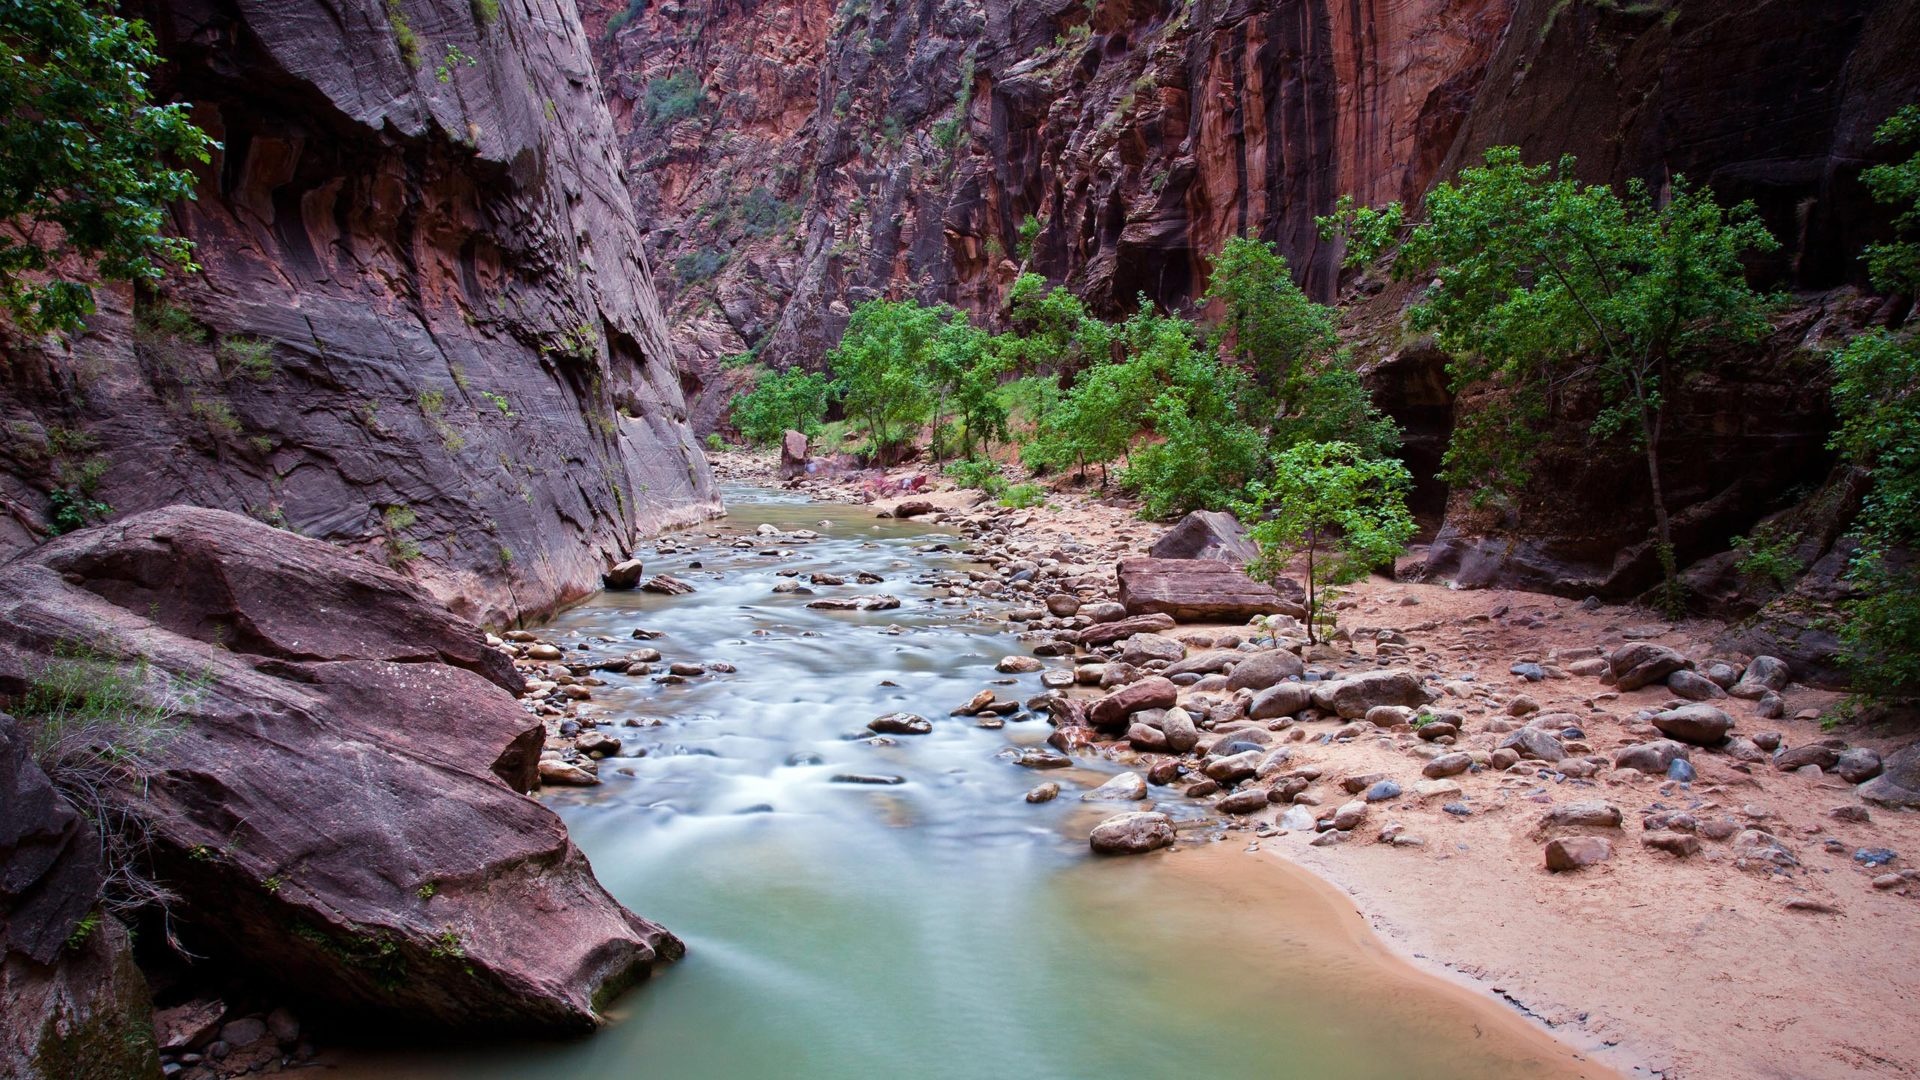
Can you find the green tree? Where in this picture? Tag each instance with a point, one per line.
(1895, 265)
(1344, 512)
(1268, 325)
(85, 155)
(1205, 451)
(1540, 281)
(779, 401)
(1876, 393)
(882, 363)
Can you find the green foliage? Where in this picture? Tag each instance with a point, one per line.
(1895, 266)
(1022, 496)
(668, 98)
(249, 356)
(1766, 556)
(82, 930)
(1207, 452)
(780, 401)
(1027, 232)
(621, 18)
(85, 157)
(403, 33)
(715, 443)
(881, 363)
(698, 266)
(217, 415)
(980, 473)
(1269, 327)
(69, 509)
(1343, 512)
(1876, 392)
(1539, 281)
(399, 518)
(487, 12)
(452, 61)
(762, 214)
(499, 401)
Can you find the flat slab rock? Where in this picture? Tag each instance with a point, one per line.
(349, 740)
(1201, 590)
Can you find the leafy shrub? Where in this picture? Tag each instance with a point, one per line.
(1021, 496)
(69, 509)
(715, 443)
(698, 266)
(1766, 555)
(669, 98)
(978, 473)
(249, 356)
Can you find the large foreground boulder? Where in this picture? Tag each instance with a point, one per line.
(1899, 782)
(1353, 696)
(337, 798)
(1202, 590)
(71, 1002)
(1206, 534)
(793, 455)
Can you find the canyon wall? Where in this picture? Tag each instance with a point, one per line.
(800, 158)
(426, 328)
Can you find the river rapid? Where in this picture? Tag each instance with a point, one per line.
(940, 927)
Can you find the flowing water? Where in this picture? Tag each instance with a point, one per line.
(941, 927)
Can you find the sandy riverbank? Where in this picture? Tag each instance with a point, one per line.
(1705, 966)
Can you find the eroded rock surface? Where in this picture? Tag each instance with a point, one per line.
(338, 803)
(426, 329)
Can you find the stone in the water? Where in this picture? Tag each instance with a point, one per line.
(565, 773)
(1125, 787)
(666, 585)
(1131, 834)
(1036, 758)
(900, 723)
(880, 779)
(1018, 665)
(1576, 852)
(622, 575)
(1046, 792)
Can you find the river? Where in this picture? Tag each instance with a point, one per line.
(941, 927)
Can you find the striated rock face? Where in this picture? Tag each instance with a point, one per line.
(426, 329)
(338, 801)
(895, 147)
(72, 1004)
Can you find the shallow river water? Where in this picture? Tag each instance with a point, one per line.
(943, 927)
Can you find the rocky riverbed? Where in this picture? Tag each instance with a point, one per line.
(1579, 807)
(1582, 805)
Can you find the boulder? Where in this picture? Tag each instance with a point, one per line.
(72, 1004)
(1694, 686)
(1353, 695)
(1261, 670)
(1106, 633)
(1181, 732)
(1203, 663)
(1588, 814)
(1248, 801)
(1701, 725)
(1858, 765)
(1206, 534)
(1448, 765)
(1141, 648)
(348, 739)
(1201, 590)
(1763, 674)
(1577, 852)
(1814, 754)
(1154, 692)
(1122, 787)
(1534, 743)
(623, 576)
(1897, 783)
(1283, 699)
(1651, 758)
(793, 455)
(1131, 834)
(1642, 663)
(900, 723)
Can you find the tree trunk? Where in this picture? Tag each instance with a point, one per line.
(1650, 425)
(1313, 608)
